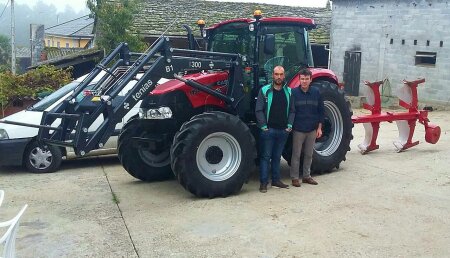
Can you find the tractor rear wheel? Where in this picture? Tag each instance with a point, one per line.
(331, 148)
(213, 154)
(140, 162)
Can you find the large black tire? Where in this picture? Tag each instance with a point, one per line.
(331, 148)
(38, 159)
(139, 162)
(213, 154)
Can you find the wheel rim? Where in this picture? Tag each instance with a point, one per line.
(40, 158)
(155, 159)
(218, 156)
(332, 130)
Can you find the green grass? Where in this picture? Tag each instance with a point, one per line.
(115, 198)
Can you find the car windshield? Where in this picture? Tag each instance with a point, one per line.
(52, 98)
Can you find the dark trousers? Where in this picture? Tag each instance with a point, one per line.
(272, 144)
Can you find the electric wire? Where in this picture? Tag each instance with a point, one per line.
(6, 5)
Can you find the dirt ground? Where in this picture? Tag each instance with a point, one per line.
(383, 204)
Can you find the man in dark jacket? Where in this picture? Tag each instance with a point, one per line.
(309, 115)
(275, 115)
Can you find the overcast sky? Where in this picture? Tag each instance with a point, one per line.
(80, 5)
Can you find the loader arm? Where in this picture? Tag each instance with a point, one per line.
(75, 115)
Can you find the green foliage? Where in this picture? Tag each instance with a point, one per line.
(5, 53)
(30, 84)
(113, 22)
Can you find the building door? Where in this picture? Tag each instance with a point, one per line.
(352, 69)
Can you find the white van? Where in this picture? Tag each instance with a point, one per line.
(18, 145)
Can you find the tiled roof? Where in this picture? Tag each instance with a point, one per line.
(73, 55)
(154, 16)
(79, 27)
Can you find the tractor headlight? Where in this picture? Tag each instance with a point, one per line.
(3, 134)
(155, 113)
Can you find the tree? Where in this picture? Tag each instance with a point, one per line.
(5, 53)
(113, 23)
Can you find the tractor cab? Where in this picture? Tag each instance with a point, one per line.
(266, 42)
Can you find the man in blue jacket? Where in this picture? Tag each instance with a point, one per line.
(309, 115)
(275, 115)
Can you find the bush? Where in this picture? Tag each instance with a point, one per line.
(29, 85)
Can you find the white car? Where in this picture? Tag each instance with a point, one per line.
(18, 145)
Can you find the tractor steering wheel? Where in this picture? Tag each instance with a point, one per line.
(274, 61)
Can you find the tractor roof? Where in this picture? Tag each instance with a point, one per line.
(282, 20)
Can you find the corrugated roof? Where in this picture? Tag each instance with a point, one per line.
(23, 52)
(79, 27)
(155, 15)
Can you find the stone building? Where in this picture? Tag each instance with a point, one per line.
(394, 39)
(155, 16)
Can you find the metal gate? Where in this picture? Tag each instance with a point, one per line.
(352, 69)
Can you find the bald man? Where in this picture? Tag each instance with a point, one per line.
(275, 114)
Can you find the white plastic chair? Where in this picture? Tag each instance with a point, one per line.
(9, 238)
(2, 195)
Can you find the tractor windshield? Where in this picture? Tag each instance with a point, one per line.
(291, 50)
(232, 38)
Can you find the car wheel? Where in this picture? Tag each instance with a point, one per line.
(42, 159)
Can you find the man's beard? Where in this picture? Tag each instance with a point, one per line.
(278, 82)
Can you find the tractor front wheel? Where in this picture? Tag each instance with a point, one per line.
(213, 154)
(138, 160)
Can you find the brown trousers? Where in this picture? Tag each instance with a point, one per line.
(300, 139)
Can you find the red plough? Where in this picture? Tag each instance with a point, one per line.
(406, 121)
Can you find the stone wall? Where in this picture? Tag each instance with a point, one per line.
(389, 34)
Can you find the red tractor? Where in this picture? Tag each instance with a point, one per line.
(200, 125)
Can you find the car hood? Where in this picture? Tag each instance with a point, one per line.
(24, 116)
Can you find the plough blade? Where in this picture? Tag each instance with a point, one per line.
(370, 138)
(405, 134)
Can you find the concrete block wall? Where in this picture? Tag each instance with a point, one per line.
(369, 26)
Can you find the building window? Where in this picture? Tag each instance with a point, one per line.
(403, 42)
(441, 44)
(415, 42)
(67, 45)
(392, 41)
(428, 43)
(58, 44)
(426, 58)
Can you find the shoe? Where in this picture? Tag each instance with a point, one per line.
(309, 180)
(280, 184)
(263, 188)
(296, 182)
